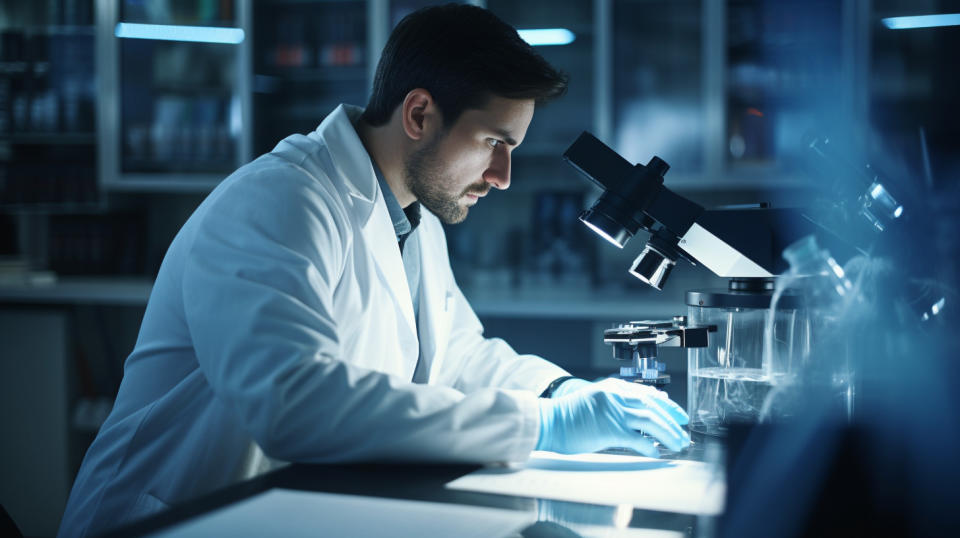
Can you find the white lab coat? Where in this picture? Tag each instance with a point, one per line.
(281, 329)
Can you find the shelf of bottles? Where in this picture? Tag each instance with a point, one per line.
(47, 89)
(181, 98)
(308, 57)
(783, 78)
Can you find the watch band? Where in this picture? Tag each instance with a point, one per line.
(552, 387)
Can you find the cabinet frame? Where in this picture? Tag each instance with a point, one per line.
(109, 141)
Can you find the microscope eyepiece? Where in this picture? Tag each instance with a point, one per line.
(652, 267)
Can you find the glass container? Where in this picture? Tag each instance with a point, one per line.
(729, 380)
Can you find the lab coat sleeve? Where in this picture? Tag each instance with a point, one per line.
(257, 291)
(473, 362)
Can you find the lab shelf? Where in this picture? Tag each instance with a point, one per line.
(318, 74)
(59, 29)
(573, 304)
(541, 304)
(53, 139)
(172, 183)
(92, 207)
(23, 67)
(762, 178)
(117, 291)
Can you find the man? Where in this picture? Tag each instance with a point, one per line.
(306, 312)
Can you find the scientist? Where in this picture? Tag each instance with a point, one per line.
(306, 312)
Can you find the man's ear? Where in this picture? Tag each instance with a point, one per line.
(419, 115)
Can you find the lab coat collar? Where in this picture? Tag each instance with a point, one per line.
(348, 154)
(350, 159)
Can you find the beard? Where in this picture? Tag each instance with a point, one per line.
(426, 179)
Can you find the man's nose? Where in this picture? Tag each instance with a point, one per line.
(498, 174)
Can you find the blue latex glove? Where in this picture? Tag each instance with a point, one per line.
(586, 417)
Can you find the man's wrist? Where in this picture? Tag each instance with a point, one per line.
(562, 386)
(554, 385)
(570, 386)
(545, 410)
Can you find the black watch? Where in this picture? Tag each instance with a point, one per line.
(548, 392)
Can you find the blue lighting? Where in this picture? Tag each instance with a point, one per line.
(547, 36)
(168, 32)
(922, 21)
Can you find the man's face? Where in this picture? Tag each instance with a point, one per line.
(462, 163)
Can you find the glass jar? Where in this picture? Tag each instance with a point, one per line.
(729, 380)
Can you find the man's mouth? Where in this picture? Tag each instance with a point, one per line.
(478, 194)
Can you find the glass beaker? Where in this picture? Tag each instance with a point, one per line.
(820, 374)
(729, 380)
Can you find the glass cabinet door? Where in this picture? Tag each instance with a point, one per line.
(783, 78)
(47, 102)
(658, 108)
(179, 93)
(308, 58)
(560, 122)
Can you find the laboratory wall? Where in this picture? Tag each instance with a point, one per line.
(108, 142)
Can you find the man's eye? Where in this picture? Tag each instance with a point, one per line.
(493, 142)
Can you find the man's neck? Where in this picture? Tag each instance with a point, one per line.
(386, 152)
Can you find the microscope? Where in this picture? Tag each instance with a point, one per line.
(636, 344)
(730, 375)
(734, 242)
(741, 243)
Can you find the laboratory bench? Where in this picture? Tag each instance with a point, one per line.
(427, 483)
(64, 340)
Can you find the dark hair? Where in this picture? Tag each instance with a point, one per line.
(462, 55)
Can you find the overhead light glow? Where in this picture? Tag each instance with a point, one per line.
(169, 32)
(547, 36)
(922, 21)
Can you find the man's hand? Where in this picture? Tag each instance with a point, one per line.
(586, 417)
